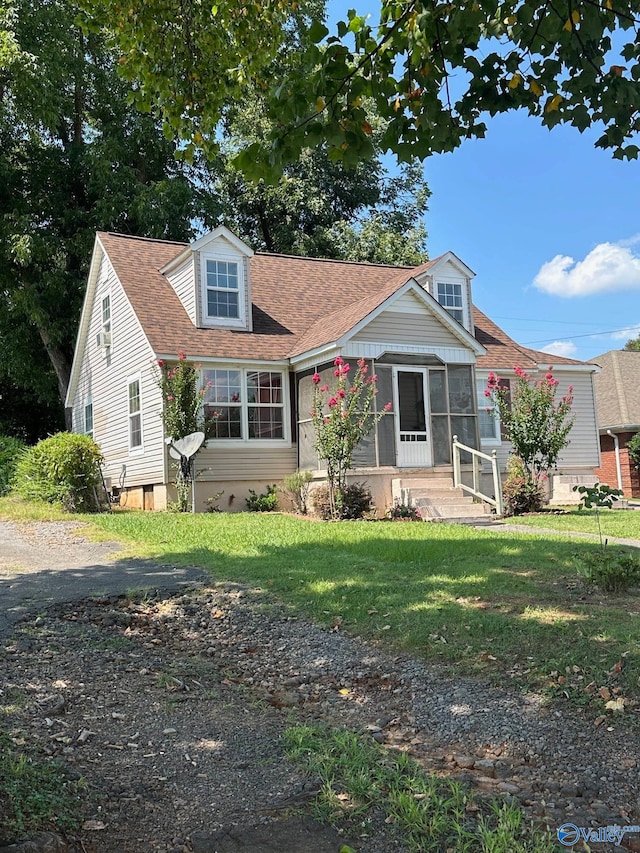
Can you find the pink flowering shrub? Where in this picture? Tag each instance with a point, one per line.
(182, 398)
(536, 423)
(342, 417)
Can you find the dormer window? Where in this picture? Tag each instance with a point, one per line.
(223, 290)
(449, 295)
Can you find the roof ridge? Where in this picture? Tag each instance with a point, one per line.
(144, 239)
(333, 261)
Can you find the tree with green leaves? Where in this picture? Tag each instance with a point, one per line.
(433, 70)
(632, 345)
(74, 158)
(317, 207)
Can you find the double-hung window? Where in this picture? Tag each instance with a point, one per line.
(223, 290)
(135, 414)
(106, 315)
(488, 420)
(449, 295)
(244, 404)
(88, 418)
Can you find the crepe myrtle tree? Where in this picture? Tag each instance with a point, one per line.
(536, 423)
(182, 411)
(342, 416)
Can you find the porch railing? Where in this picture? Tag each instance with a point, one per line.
(476, 464)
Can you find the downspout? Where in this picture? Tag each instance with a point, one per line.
(616, 447)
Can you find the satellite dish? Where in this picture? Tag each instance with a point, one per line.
(187, 446)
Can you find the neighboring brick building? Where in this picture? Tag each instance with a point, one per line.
(618, 407)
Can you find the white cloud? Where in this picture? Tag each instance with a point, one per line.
(609, 266)
(626, 334)
(565, 348)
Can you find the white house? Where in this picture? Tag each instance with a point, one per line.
(260, 325)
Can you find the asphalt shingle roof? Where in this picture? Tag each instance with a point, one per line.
(298, 304)
(618, 389)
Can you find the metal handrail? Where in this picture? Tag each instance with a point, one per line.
(477, 455)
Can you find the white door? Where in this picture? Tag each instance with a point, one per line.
(412, 439)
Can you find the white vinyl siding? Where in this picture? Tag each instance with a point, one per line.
(445, 274)
(245, 462)
(104, 383)
(182, 279)
(584, 442)
(401, 327)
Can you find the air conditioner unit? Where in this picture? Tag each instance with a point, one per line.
(103, 339)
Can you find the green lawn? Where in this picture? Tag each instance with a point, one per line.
(624, 524)
(509, 606)
(506, 605)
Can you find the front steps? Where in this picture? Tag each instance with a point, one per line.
(437, 500)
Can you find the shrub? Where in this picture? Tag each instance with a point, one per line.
(352, 502)
(521, 492)
(266, 502)
(610, 571)
(10, 450)
(63, 468)
(633, 446)
(296, 487)
(404, 512)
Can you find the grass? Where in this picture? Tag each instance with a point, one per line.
(35, 793)
(622, 524)
(429, 813)
(508, 606)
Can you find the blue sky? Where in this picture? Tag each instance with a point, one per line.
(550, 225)
(512, 203)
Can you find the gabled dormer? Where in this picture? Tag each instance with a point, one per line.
(448, 280)
(212, 280)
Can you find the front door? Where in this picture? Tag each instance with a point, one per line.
(413, 444)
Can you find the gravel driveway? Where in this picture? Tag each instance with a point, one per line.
(44, 563)
(172, 705)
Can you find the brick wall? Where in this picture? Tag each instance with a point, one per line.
(607, 472)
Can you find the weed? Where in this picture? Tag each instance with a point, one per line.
(404, 512)
(12, 700)
(611, 571)
(430, 813)
(296, 487)
(37, 794)
(266, 502)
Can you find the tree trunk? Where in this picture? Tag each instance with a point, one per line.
(60, 363)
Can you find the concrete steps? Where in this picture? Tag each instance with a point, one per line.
(437, 500)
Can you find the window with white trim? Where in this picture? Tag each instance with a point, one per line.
(488, 419)
(245, 404)
(223, 290)
(450, 295)
(135, 414)
(88, 418)
(104, 336)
